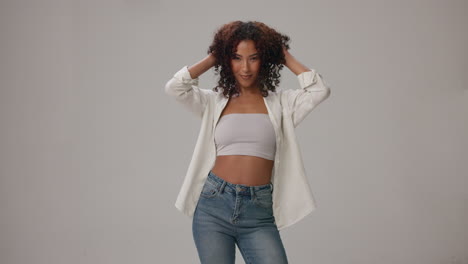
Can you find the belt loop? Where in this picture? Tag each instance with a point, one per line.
(222, 187)
(252, 193)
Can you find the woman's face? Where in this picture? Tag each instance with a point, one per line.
(246, 64)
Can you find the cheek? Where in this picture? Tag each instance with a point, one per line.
(257, 67)
(234, 66)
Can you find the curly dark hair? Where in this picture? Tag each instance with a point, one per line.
(269, 44)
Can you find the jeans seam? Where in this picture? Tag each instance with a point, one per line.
(243, 253)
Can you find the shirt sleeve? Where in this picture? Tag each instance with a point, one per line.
(313, 90)
(186, 91)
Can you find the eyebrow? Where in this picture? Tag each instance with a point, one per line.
(249, 56)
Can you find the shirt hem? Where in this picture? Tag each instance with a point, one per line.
(298, 219)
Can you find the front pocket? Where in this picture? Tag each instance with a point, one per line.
(209, 190)
(263, 200)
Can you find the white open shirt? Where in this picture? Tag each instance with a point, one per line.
(292, 195)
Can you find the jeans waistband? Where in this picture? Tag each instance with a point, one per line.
(237, 188)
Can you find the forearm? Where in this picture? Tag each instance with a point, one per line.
(293, 64)
(202, 66)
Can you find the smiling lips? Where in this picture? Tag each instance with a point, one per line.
(246, 77)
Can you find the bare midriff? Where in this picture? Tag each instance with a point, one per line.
(243, 169)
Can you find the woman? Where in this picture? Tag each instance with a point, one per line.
(237, 188)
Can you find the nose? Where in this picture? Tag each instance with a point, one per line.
(245, 70)
(245, 66)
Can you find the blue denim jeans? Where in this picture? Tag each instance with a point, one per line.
(228, 214)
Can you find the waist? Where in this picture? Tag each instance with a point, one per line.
(239, 189)
(242, 169)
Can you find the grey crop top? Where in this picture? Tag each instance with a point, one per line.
(245, 134)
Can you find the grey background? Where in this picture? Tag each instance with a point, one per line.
(93, 153)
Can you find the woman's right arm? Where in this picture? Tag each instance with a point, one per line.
(202, 66)
(183, 86)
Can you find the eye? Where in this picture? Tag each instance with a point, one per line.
(254, 58)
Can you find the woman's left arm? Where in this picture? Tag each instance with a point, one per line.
(314, 89)
(293, 64)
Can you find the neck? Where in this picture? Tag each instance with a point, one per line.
(250, 91)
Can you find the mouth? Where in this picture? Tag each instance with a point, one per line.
(246, 77)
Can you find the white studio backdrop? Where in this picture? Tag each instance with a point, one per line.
(93, 152)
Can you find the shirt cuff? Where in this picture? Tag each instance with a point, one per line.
(183, 75)
(307, 78)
